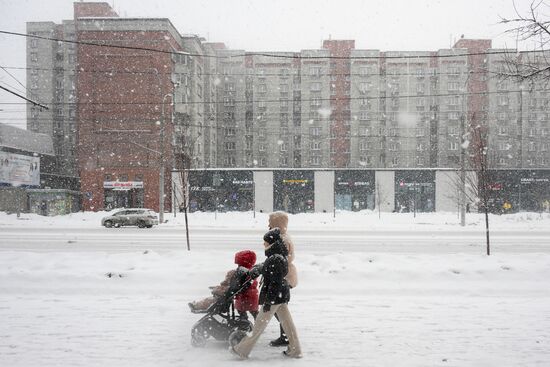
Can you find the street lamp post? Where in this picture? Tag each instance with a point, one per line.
(161, 151)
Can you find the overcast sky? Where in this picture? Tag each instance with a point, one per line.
(278, 25)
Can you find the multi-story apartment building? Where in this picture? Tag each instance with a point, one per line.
(122, 91)
(51, 80)
(125, 82)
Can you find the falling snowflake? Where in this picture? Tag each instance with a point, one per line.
(325, 112)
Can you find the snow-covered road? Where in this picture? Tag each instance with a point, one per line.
(315, 240)
(401, 295)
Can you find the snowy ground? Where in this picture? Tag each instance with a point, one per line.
(412, 306)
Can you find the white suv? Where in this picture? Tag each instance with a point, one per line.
(131, 217)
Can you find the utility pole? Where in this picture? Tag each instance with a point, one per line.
(161, 151)
(462, 171)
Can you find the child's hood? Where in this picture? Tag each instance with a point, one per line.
(246, 258)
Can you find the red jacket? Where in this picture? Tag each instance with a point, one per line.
(247, 300)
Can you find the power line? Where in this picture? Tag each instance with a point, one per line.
(252, 74)
(294, 55)
(290, 99)
(14, 78)
(22, 97)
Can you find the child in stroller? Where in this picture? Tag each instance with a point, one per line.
(220, 320)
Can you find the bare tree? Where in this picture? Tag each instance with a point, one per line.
(481, 185)
(184, 161)
(532, 66)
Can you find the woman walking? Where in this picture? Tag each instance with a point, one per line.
(274, 297)
(280, 220)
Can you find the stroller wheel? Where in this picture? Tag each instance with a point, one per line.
(236, 337)
(198, 337)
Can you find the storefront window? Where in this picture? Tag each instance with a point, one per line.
(354, 190)
(293, 191)
(414, 191)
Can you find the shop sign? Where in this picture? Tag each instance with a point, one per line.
(415, 184)
(118, 185)
(495, 186)
(243, 182)
(201, 188)
(292, 181)
(352, 183)
(532, 179)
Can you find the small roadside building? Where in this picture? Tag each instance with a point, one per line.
(28, 179)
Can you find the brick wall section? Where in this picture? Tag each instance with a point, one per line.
(476, 86)
(340, 100)
(120, 102)
(97, 9)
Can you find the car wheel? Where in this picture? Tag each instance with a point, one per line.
(108, 224)
(141, 224)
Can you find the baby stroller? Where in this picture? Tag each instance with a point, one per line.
(220, 321)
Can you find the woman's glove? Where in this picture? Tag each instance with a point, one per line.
(256, 271)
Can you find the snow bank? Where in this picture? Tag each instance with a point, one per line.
(343, 220)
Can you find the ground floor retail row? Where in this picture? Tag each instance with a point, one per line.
(314, 190)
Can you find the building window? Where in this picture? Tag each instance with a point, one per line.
(229, 161)
(315, 87)
(315, 71)
(395, 161)
(282, 147)
(364, 87)
(315, 131)
(34, 57)
(453, 71)
(453, 145)
(502, 100)
(230, 131)
(315, 160)
(229, 145)
(394, 146)
(315, 102)
(315, 145)
(261, 147)
(453, 100)
(453, 115)
(532, 147)
(452, 86)
(502, 130)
